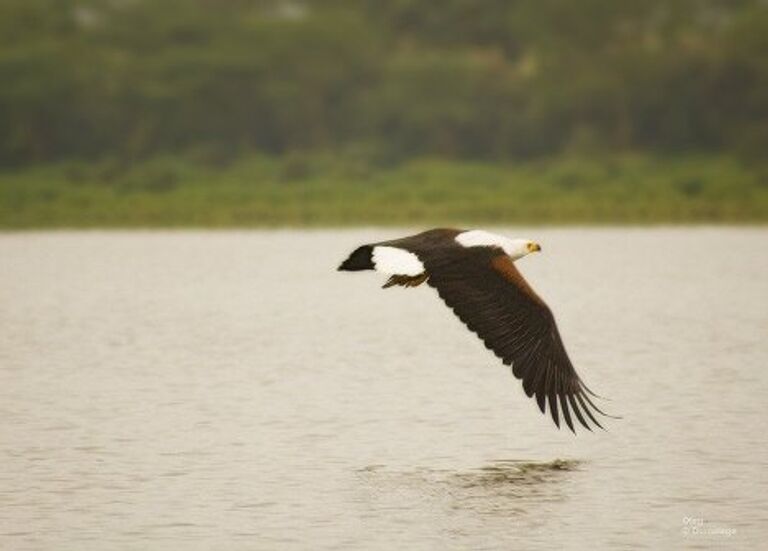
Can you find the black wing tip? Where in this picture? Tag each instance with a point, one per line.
(597, 409)
(566, 413)
(591, 392)
(584, 414)
(553, 410)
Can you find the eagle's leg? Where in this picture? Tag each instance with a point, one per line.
(405, 280)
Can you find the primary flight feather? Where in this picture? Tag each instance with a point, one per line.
(475, 275)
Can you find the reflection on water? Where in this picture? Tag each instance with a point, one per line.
(517, 473)
(232, 390)
(503, 487)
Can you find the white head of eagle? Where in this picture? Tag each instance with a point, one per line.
(475, 275)
(514, 248)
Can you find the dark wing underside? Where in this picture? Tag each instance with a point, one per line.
(487, 292)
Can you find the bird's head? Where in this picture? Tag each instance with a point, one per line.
(514, 248)
(518, 248)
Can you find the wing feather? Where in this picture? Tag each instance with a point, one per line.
(489, 295)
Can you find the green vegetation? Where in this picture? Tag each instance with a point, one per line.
(474, 79)
(328, 190)
(276, 112)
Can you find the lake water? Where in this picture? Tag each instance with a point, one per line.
(231, 390)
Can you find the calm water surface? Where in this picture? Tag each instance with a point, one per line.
(233, 391)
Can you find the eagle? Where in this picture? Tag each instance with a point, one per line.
(474, 273)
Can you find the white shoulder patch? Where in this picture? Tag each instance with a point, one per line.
(479, 238)
(394, 261)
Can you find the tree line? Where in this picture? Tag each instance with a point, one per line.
(479, 79)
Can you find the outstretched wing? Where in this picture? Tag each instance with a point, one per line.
(487, 292)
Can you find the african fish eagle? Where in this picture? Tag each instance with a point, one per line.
(475, 275)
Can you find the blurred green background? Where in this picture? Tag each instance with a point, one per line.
(266, 112)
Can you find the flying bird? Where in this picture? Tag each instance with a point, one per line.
(475, 275)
